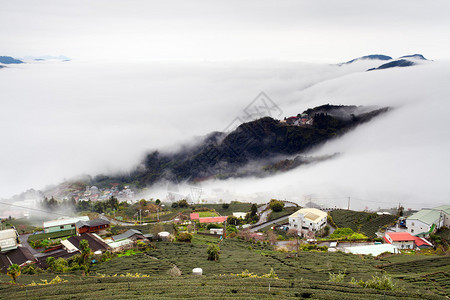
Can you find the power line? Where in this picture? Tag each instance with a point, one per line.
(36, 209)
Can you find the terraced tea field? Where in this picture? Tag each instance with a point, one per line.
(236, 257)
(358, 221)
(200, 287)
(431, 274)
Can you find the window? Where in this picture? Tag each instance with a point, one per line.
(73, 225)
(412, 230)
(412, 224)
(61, 227)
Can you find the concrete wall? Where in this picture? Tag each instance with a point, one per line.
(404, 245)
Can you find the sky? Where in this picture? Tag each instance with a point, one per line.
(312, 31)
(150, 75)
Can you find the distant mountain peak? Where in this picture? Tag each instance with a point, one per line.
(394, 64)
(417, 56)
(9, 60)
(370, 57)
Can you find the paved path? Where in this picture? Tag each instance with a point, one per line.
(264, 212)
(278, 220)
(24, 242)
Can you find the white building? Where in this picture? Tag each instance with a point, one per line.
(8, 240)
(404, 240)
(422, 221)
(308, 220)
(239, 215)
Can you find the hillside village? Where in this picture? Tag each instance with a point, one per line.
(299, 120)
(91, 241)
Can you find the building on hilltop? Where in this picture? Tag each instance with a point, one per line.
(427, 220)
(308, 220)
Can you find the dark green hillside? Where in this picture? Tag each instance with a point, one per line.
(223, 155)
(359, 221)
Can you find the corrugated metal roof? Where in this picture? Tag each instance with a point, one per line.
(400, 236)
(92, 223)
(66, 221)
(445, 208)
(127, 234)
(427, 216)
(7, 234)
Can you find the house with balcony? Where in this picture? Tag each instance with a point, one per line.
(308, 220)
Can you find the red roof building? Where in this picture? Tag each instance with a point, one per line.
(405, 240)
(194, 216)
(213, 219)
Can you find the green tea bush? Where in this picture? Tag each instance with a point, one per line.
(184, 237)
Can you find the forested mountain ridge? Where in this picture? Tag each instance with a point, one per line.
(257, 148)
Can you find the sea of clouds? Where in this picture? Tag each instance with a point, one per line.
(62, 119)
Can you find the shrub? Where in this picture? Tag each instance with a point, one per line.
(13, 272)
(234, 220)
(276, 205)
(30, 270)
(213, 252)
(271, 274)
(183, 203)
(380, 283)
(225, 206)
(184, 237)
(337, 277)
(231, 229)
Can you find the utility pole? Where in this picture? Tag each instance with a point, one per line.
(225, 229)
(348, 204)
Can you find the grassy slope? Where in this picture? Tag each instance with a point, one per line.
(367, 223)
(284, 212)
(233, 207)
